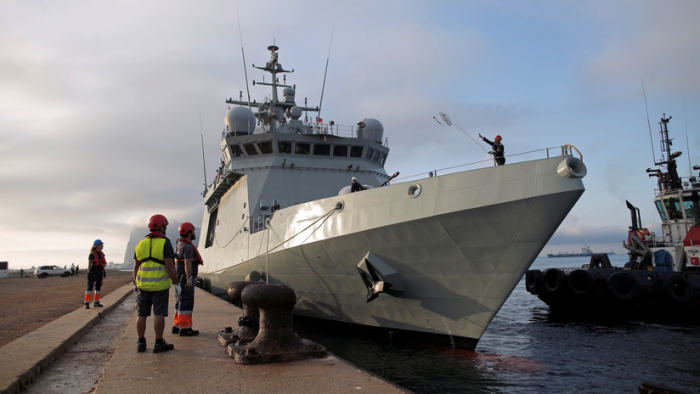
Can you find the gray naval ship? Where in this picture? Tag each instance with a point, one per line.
(432, 260)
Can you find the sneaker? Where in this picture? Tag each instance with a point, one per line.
(188, 332)
(87, 305)
(140, 347)
(162, 347)
(97, 304)
(176, 330)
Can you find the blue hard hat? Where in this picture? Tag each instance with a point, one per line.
(431, 173)
(97, 242)
(275, 201)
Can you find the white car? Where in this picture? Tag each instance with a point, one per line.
(45, 271)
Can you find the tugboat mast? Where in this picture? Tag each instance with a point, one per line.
(670, 180)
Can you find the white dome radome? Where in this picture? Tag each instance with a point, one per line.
(371, 129)
(240, 121)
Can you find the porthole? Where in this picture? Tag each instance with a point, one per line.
(414, 190)
(340, 205)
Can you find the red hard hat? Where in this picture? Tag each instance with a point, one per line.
(498, 137)
(157, 221)
(185, 228)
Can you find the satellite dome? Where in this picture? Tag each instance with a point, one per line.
(371, 129)
(296, 112)
(288, 94)
(240, 121)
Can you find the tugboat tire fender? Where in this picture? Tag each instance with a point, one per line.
(581, 283)
(678, 289)
(623, 286)
(554, 280)
(533, 281)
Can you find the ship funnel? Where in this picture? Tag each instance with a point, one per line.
(634, 213)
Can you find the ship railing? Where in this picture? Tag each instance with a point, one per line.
(563, 150)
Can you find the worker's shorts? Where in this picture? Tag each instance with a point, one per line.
(158, 300)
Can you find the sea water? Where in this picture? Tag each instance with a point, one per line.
(528, 350)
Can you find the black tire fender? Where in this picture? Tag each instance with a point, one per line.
(554, 280)
(678, 289)
(533, 281)
(623, 286)
(581, 283)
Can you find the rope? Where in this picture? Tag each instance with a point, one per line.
(234, 236)
(306, 228)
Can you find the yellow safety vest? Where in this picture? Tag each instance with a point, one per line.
(152, 275)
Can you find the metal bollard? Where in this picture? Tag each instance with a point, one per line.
(248, 323)
(276, 339)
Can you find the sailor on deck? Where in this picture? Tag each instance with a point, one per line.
(355, 186)
(497, 149)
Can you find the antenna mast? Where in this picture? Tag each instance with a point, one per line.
(320, 103)
(653, 155)
(245, 70)
(204, 163)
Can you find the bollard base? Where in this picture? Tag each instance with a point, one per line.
(248, 355)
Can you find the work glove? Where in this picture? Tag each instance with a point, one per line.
(190, 282)
(178, 290)
(136, 288)
(104, 273)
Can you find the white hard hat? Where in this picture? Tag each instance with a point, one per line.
(354, 179)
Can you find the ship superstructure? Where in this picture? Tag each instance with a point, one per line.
(436, 257)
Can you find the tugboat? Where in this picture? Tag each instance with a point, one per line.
(662, 275)
(432, 259)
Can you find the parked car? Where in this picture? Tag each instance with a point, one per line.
(45, 271)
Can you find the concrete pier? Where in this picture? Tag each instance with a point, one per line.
(197, 364)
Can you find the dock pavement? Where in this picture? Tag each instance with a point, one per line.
(198, 363)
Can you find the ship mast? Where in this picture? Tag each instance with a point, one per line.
(271, 112)
(669, 180)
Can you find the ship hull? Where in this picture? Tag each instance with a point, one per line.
(459, 245)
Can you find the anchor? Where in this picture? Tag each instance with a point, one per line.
(379, 277)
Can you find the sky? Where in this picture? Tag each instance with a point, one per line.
(104, 106)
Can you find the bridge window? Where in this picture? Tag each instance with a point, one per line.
(265, 147)
(285, 147)
(236, 150)
(356, 151)
(322, 149)
(250, 149)
(369, 154)
(340, 150)
(302, 148)
(376, 156)
(673, 208)
(660, 208)
(688, 207)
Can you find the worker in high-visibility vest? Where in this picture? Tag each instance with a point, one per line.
(154, 273)
(187, 260)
